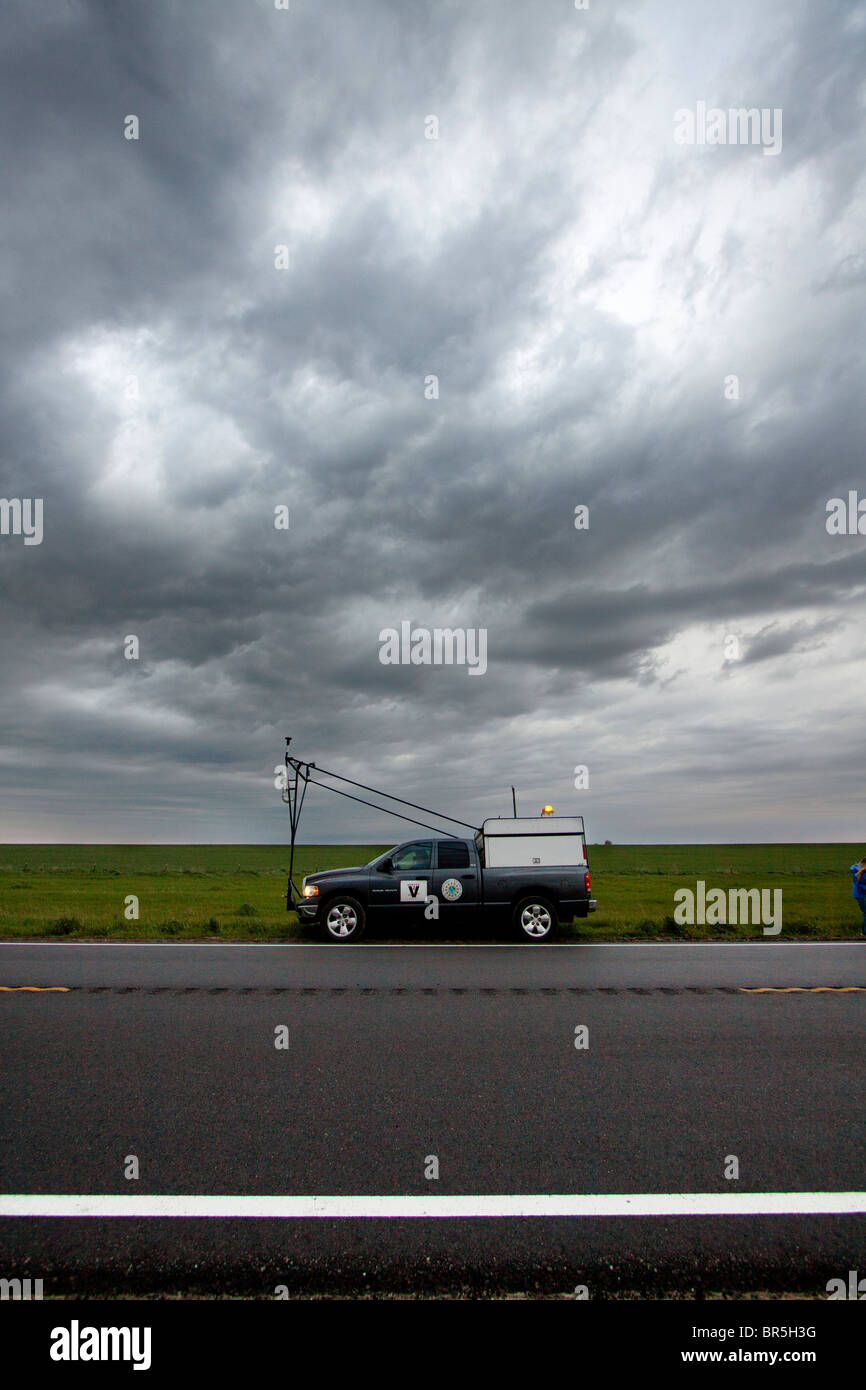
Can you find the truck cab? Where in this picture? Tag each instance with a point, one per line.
(408, 875)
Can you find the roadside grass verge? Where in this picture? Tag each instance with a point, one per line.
(237, 892)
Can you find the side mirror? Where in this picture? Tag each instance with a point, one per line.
(386, 866)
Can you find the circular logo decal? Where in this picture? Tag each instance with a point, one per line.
(452, 889)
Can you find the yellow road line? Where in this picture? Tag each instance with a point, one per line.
(807, 989)
(34, 989)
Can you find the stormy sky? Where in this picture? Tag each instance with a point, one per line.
(243, 308)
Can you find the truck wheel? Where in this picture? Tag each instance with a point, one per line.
(535, 919)
(343, 919)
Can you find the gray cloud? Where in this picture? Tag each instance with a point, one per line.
(581, 286)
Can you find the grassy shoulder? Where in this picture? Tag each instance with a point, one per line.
(237, 892)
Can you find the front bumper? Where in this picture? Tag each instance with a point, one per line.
(307, 909)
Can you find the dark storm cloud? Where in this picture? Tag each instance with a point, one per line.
(580, 286)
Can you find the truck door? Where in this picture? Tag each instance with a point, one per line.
(455, 879)
(404, 890)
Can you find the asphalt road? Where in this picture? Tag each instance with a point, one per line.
(397, 1054)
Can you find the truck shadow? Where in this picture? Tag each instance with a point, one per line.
(440, 934)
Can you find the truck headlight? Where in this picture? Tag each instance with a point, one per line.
(311, 890)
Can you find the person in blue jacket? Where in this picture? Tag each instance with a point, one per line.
(858, 888)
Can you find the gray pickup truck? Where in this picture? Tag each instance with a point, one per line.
(532, 871)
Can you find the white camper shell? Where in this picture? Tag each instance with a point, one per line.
(546, 841)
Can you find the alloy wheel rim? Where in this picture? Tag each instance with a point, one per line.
(535, 920)
(342, 920)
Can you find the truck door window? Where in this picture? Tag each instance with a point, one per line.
(414, 856)
(453, 854)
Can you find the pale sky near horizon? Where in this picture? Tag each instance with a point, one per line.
(583, 287)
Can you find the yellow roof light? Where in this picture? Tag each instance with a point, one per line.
(547, 811)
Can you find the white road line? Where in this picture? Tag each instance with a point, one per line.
(532, 1204)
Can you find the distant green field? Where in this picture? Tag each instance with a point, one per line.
(237, 892)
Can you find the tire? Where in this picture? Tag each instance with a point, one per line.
(535, 918)
(343, 920)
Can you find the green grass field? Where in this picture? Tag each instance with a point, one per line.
(237, 892)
